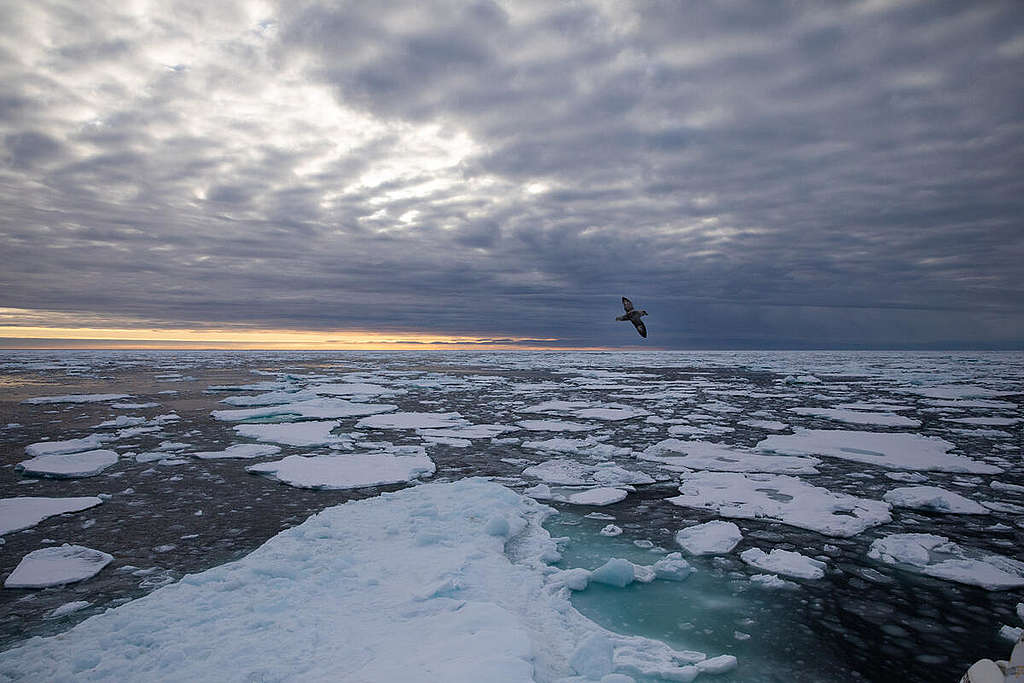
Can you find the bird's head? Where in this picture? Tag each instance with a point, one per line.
(643, 312)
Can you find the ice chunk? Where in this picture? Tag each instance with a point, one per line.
(354, 389)
(615, 572)
(1011, 633)
(311, 433)
(239, 450)
(717, 665)
(572, 473)
(934, 498)
(593, 657)
(348, 471)
(672, 567)
(555, 426)
(90, 442)
(891, 450)
(859, 417)
(937, 556)
(412, 421)
(469, 431)
(24, 512)
(772, 582)
(87, 464)
(75, 398)
(589, 447)
(681, 455)
(781, 498)
(711, 538)
(69, 608)
(309, 409)
(770, 425)
(784, 562)
(599, 496)
(611, 530)
(57, 566)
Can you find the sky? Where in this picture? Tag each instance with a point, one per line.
(497, 174)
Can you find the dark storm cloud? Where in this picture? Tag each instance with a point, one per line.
(754, 174)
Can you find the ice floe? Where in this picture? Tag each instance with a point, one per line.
(309, 409)
(87, 443)
(555, 426)
(941, 558)
(412, 421)
(769, 425)
(449, 605)
(783, 499)
(75, 398)
(784, 562)
(679, 455)
(27, 511)
(716, 537)
(859, 417)
(72, 465)
(566, 472)
(935, 499)
(57, 566)
(599, 496)
(311, 433)
(239, 450)
(892, 450)
(349, 471)
(590, 446)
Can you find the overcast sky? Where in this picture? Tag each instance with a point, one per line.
(754, 174)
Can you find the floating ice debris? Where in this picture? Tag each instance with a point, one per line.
(672, 567)
(448, 441)
(292, 433)
(573, 473)
(1004, 486)
(312, 408)
(354, 389)
(69, 608)
(937, 556)
(598, 496)
(73, 465)
(239, 450)
(620, 573)
(781, 498)
(349, 471)
(588, 447)
(452, 606)
(134, 406)
(711, 538)
(679, 455)
(933, 498)
(784, 562)
(555, 426)
(955, 391)
(121, 421)
(469, 431)
(611, 530)
(24, 512)
(885, 449)
(90, 442)
(859, 417)
(801, 379)
(57, 566)
(587, 410)
(772, 582)
(412, 421)
(75, 398)
(770, 425)
(911, 477)
(700, 430)
(717, 665)
(988, 421)
(1011, 633)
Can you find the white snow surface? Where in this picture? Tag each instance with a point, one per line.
(87, 443)
(934, 498)
(568, 472)
(785, 562)
(311, 408)
(679, 455)
(941, 558)
(367, 591)
(589, 447)
(781, 498)
(716, 537)
(239, 450)
(75, 398)
(555, 426)
(311, 433)
(892, 450)
(27, 511)
(348, 471)
(72, 465)
(412, 421)
(57, 566)
(859, 417)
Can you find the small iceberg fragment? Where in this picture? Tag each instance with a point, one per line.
(682, 456)
(312, 433)
(57, 566)
(88, 443)
(935, 499)
(566, 472)
(27, 511)
(239, 450)
(348, 471)
(772, 582)
(596, 496)
(785, 562)
(711, 538)
(71, 466)
(938, 557)
(412, 421)
(314, 408)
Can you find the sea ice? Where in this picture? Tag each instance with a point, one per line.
(937, 556)
(309, 409)
(773, 582)
(121, 421)
(567, 472)
(859, 417)
(412, 421)
(314, 603)
(73, 465)
(770, 425)
(711, 538)
(781, 498)
(354, 389)
(598, 496)
(349, 471)
(555, 426)
(679, 455)
(892, 450)
(784, 562)
(239, 450)
(69, 608)
(90, 442)
(292, 433)
(75, 398)
(933, 498)
(469, 431)
(57, 566)
(24, 512)
(590, 447)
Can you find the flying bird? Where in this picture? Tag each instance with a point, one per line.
(633, 316)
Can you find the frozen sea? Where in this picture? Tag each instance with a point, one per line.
(869, 513)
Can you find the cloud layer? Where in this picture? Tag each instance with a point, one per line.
(753, 174)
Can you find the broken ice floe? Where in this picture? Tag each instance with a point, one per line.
(941, 558)
(784, 562)
(239, 450)
(24, 512)
(891, 450)
(859, 417)
(90, 442)
(783, 499)
(349, 471)
(567, 472)
(596, 496)
(309, 409)
(57, 566)
(555, 426)
(681, 456)
(70, 466)
(75, 398)
(412, 421)
(711, 538)
(935, 499)
(311, 433)
(590, 446)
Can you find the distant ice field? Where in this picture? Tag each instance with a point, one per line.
(726, 516)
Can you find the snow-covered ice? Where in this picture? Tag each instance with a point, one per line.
(91, 442)
(555, 426)
(941, 558)
(933, 498)
(239, 450)
(75, 398)
(859, 417)
(57, 566)
(72, 465)
(566, 472)
(679, 455)
(310, 433)
(716, 537)
(310, 409)
(27, 511)
(784, 562)
(346, 471)
(412, 421)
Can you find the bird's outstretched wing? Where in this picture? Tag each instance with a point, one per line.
(640, 327)
(627, 304)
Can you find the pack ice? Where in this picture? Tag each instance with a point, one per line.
(316, 603)
(941, 558)
(57, 566)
